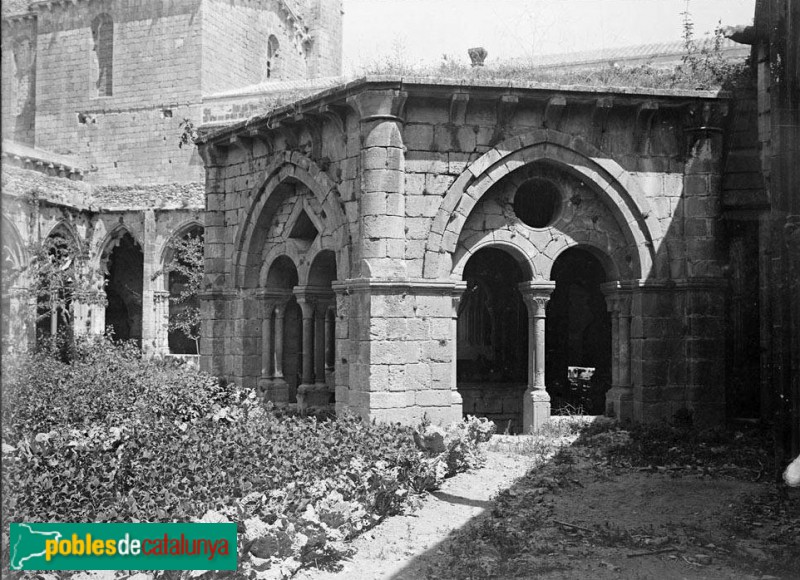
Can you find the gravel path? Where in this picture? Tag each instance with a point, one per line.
(393, 548)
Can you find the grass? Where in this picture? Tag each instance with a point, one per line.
(643, 76)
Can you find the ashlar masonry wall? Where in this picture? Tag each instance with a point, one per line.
(413, 177)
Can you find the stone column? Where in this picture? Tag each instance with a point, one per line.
(306, 385)
(267, 354)
(536, 401)
(381, 249)
(313, 301)
(150, 266)
(330, 350)
(330, 338)
(161, 322)
(319, 345)
(279, 391)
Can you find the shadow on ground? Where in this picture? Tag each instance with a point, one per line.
(603, 503)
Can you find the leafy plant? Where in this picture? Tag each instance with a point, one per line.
(187, 265)
(121, 438)
(188, 133)
(60, 276)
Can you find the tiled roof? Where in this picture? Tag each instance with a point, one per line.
(14, 7)
(41, 157)
(637, 52)
(276, 87)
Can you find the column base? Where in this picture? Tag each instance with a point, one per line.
(263, 387)
(278, 392)
(316, 395)
(619, 403)
(535, 409)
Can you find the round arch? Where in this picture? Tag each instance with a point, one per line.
(322, 269)
(521, 249)
(608, 264)
(615, 187)
(289, 166)
(277, 255)
(282, 273)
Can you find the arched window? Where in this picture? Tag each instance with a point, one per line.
(103, 38)
(273, 58)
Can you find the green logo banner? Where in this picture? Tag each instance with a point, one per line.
(178, 546)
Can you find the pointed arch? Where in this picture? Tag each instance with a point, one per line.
(13, 247)
(182, 230)
(287, 169)
(112, 240)
(615, 187)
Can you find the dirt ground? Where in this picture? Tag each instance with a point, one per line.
(568, 513)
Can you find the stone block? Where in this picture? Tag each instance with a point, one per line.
(421, 206)
(444, 138)
(432, 398)
(434, 306)
(426, 162)
(391, 400)
(395, 204)
(436, 351)
(417, 228)
(417, 329)
(397, 377)
(418, 376)
(382, 226)
(442, 375)
(394, 352)
(382, 180)
(418, 136)
(437, 184)
(457, 162)
(393, 305)
(441, 328)
(414, 183)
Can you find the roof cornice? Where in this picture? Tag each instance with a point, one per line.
(337, 96)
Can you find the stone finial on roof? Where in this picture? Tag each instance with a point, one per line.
(477, 55)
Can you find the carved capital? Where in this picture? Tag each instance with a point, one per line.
(381, 105)
(705, 121)
(536, 295)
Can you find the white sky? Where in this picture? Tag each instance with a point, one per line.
(421, 31)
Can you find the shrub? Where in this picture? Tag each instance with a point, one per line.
(112, 437)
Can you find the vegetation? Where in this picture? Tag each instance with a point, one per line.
(118, 438)
(703, 68)
(522, 535)
(59, 276)
(188, 265)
